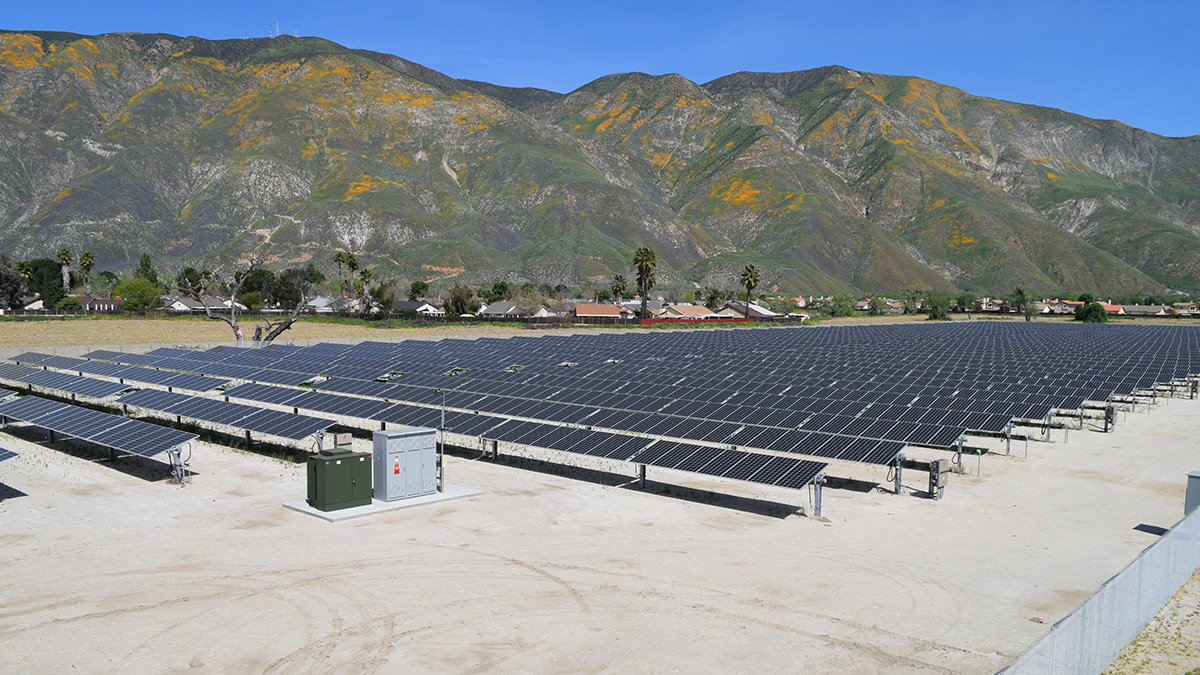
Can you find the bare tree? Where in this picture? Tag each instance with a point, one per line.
(292, 290)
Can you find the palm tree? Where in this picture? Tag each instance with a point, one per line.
(24, 269)
(340, 259)
(64, 260)
(750, 279)
(352, 268)
(645, 261)
(367, 277)
(619, 286)
(86, 262)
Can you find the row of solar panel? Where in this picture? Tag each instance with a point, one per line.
(121, 434)
(250, 418)
(71, 384)
(842, 447)
(943, 430)
(6, 454)
(164, 378)
(781, 471)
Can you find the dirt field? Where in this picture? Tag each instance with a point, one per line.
(111, 569)
(27, 334)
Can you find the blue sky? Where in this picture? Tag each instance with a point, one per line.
(1133, 61)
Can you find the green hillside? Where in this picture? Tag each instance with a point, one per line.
(827, 179)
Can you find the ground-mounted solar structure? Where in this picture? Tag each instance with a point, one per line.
(854, 394)
(122, 373)
(117, 434)
(244, 418)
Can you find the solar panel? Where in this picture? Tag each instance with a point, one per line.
(124, 435)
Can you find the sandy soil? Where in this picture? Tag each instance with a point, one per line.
(109, 568)
(25, 334)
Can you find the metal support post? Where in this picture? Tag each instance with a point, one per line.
(899, 469)
(979, 462)
(441, 462)
(249, 442)
(817, 483)
(641, 475)
(1008, 440)
(958, 452)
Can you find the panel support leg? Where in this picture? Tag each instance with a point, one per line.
(641, 475)
(899, 470)
(817, 483)
(249, 442)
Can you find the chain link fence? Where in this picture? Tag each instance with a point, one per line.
(1089, 638)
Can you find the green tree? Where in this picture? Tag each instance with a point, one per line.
(253, 300)
(64, 261)
(86, 262)
(878, 305)
(367, 276)
(965, 301)
(45, 281)
(418, 289)
(145, 270)
(1093, 312)
(938, 306)
(841, 304)
(351, 269)
(69, 304)
(312, 275)
(645, 261)
(12, 284)
(340, 258)
(713, 297)
(1019, 299)
(912, 299)
(1086, 298)
(619, 286)
(750, 279)
(141, 290)
(1031, 311)
(460, 301)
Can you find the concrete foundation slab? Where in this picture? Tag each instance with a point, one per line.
(450, 493)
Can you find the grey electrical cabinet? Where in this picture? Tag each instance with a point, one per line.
(405, 463)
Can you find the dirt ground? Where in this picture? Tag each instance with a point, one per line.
(192, 330)
(109, 568)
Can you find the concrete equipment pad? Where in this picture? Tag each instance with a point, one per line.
(450, 493)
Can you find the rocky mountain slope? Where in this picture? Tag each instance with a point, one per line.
(828, 179)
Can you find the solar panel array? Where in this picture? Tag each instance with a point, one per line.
(6, 454)
(71, 384)
(825, 392)
(249, 418)
(166, 378)
(721, 462)
(119, 433)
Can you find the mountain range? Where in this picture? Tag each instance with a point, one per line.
(828, 179)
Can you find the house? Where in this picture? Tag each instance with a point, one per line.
(1185, 309)
(542, 312)
(418, 306)
(686, 312)
(33, 303)
(101, 304)
(1113, 310)
(634, 307)
(989, 304)
(738, 308)
(1147, 310)
(320, 305)
(502, 309)
(1056, 306)
(179, 303)
(587, 310)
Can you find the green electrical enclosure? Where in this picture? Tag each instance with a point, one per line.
(339, 479)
